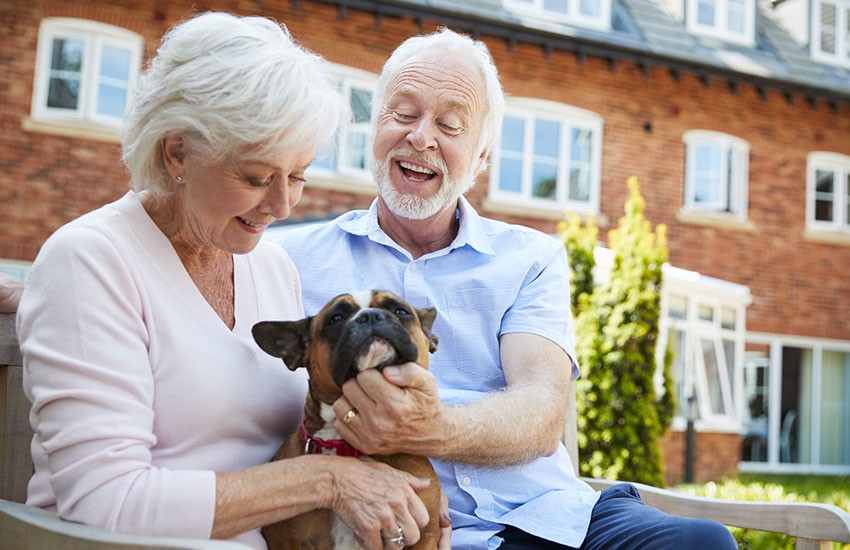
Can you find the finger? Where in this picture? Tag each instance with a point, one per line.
(406, 375)
(445, 524)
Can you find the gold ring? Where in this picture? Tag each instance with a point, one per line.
(349, 416)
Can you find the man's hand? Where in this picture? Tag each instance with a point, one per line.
(398, 410)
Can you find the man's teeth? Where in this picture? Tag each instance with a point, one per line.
(416, 168)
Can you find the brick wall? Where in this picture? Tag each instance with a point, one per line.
(716, 455)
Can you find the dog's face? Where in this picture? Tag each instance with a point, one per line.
(353, 332)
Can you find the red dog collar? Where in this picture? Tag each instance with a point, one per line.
(318, 446)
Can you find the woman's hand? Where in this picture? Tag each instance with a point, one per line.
(375, 501)
(11, 290)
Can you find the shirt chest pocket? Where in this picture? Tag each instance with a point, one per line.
(474, 322)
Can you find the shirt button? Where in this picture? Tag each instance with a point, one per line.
(412, 267)
(466, 480)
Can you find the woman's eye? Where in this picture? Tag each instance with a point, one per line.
(298, 180)
(259, 182)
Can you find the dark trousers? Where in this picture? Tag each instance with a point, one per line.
(622, 521)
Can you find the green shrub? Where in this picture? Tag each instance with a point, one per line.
(619, 413)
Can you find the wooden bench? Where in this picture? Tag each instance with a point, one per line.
(814, 525)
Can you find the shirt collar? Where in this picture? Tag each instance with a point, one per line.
(471, 232)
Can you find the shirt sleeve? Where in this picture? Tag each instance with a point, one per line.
(87, 373)
(542, 305)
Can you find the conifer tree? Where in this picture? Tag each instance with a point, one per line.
(621, 415)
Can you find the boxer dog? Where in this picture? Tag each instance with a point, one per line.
(353, 332)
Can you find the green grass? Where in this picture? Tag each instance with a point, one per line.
(775, 488)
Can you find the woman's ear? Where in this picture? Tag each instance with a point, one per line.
(174, 151)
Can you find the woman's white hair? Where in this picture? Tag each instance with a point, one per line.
(454, 46)
(231, 85)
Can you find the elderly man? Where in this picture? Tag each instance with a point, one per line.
(490, 410)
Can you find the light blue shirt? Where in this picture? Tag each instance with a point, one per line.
(494, 279)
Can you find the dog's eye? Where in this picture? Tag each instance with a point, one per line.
(334, 319)
(401, 312)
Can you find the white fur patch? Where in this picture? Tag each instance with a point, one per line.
(343, 536)
(362, 298)
(327, 432)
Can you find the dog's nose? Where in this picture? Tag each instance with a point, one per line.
(370, 315)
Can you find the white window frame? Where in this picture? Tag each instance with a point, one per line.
(700, 290)
(95, 37)
(569, 118)
(841, 55)
(774, 464)
(840, 167)
(573, 15)
(733, 194)
(348, 78)
(720, 28)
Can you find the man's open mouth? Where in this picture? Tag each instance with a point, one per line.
(416, 172)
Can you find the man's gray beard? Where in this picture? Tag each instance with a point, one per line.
(411, 206)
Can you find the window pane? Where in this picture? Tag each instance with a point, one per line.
(65, 69)
(677, 369)
(555, 6)
(355, 150)
(795, 408)
(835, 408)
(756, 395)
(824, 197)
(545, 180)
(547, 139)
(828, 27)
(581, 155)
(111, 100)
(736, 16)
(678, 308)
(513, 134)
(713, 374)
(727, 317)
(361, 105)
(510, 174)
(115, 63)
(592, 8)
(707, 175)
(847, 200)
(705, 13)
(706, 313)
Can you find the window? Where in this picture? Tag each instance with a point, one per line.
(84, 72)
(716, 174)
(703, 323)
(800, 403)
(831, 31)
(588, 13)
(350, 157)
(548, 156)
(729, 20)
(828, 192)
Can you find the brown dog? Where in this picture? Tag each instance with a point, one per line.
(351, 333)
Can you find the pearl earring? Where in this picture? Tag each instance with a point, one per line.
(179, 179)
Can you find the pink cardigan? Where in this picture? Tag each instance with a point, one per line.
(140, 393)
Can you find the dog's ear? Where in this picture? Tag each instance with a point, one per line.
(285, 339)
(427, 316)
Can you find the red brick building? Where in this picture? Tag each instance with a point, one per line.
(733, 114)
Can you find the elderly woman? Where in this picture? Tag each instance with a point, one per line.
(154, 410)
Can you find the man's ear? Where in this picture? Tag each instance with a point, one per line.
(285, 339)
(174, 150)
